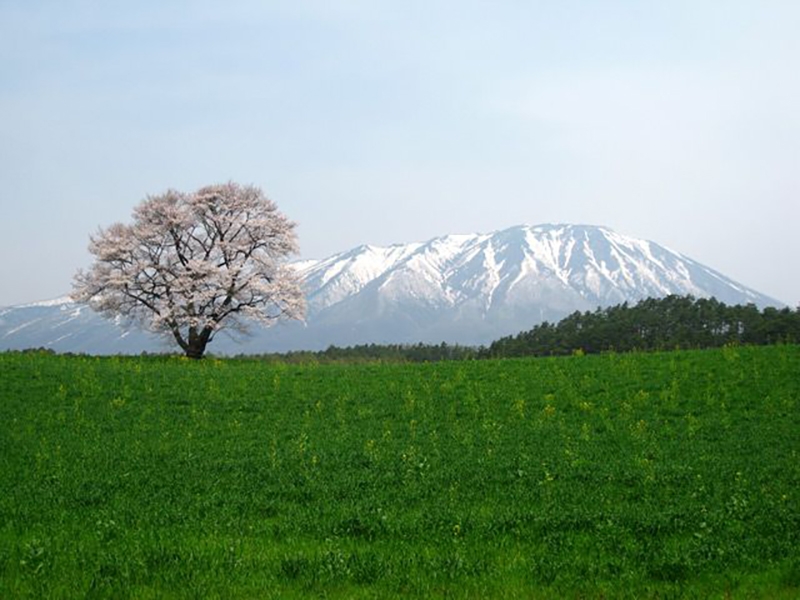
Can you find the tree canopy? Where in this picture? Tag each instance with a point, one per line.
(193, 264)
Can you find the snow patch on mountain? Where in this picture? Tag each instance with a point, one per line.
(62, 301)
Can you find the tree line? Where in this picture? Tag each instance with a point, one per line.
(376, 352)
(652, 324)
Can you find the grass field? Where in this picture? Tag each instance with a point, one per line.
(638, 475)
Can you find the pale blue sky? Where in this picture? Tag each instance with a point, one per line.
(383, 122)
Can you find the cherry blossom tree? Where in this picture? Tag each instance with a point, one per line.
(191, 265)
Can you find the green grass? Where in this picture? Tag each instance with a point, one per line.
(640, 475)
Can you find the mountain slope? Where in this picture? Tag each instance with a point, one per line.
(467, 289)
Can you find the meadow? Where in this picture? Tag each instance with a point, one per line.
(671, 474)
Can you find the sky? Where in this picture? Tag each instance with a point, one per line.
(381, 122)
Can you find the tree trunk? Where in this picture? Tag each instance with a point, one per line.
(196, 344)
(195, 351)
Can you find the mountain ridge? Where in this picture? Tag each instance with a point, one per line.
(458, 288)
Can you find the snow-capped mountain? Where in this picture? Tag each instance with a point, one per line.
(468, 289)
